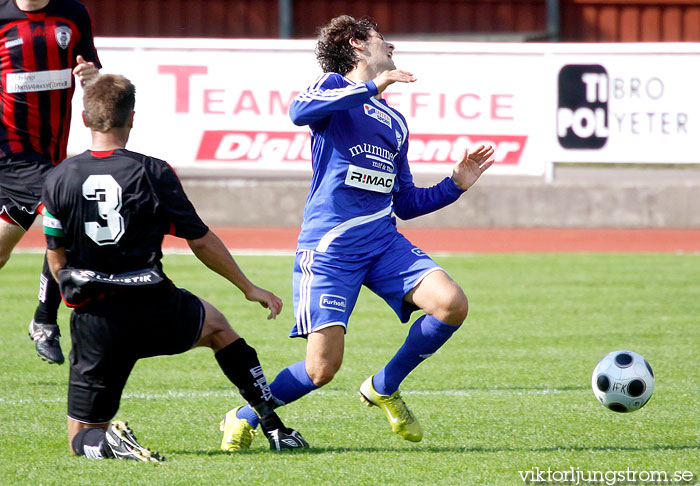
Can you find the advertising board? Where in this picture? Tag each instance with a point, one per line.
(216, 104)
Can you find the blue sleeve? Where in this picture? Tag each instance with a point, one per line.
(411, 201)
(328, 95)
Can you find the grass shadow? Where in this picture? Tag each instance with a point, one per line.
(440, 450)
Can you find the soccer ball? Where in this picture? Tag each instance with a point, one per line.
(623, 381)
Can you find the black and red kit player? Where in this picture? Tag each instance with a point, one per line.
(106, 213)
(44, 44)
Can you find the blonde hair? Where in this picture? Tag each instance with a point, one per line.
(108, 101)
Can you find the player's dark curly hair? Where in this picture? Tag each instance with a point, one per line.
(108, 101)
(333, 50)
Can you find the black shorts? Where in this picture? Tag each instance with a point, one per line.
(21, 179)
(110, 335)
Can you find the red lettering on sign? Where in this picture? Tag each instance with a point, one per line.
(434, 148)
(182, 83)
(252, 146)
(209, 100)
(247, 102)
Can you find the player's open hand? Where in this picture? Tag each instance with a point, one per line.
(385, 78)
(85, 71)
(266, 299)
(474, 163)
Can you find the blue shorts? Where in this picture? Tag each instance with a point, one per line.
(326, 286)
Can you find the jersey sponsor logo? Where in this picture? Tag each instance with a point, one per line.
(379, 154)
(333, 302)
(63, 35)
(243, 146)
(378, 115)
(137, 278)
(418, 252)
(39, 81)
(14, 42)
(371, 180)
(448, 149)
(399, 139)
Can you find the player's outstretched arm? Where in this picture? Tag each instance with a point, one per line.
(474, 163)
(386, 78)
(411, 201)
(211, 251)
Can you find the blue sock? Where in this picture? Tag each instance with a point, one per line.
(426, 336)
(290, 384)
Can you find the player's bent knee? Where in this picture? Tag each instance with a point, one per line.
(217, 338)
(456, 307)
(322, 374)
(5, 252)
(216, 332)
(321, 378)
(461, 307)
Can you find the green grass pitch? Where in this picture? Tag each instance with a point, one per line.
(509, 392)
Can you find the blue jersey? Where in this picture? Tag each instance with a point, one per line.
(361, 176)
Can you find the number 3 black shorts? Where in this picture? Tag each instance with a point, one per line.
(109, 335)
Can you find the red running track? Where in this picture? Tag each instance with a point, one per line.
(465, 240)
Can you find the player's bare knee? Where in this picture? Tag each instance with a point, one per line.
(321, 377)
(222, 338)
(322, 373)
(455, 306)
(5, 252)
(216, 331)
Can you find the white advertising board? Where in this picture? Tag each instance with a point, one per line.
(223, 103)
(627, 103)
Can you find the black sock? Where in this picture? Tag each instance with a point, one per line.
(91, 443)
(240, 364)
(49, 297)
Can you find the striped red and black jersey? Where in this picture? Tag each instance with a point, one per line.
(110, 210)
(38, 52)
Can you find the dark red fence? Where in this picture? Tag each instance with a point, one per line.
(434, 17)
(581, 20)
(630, 21)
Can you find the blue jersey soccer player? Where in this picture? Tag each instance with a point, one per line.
(349, 237)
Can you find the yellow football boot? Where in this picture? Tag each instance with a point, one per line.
(402, 420)
(238, 433)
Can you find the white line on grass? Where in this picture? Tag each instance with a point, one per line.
(184, 251)
(234, 394)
